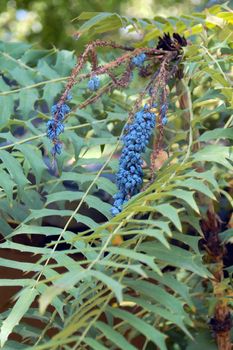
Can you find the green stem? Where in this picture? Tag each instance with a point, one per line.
(31, 138)
(216, 62)
(4, 93)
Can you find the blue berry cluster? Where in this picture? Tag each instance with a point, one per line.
(129, 178)
(163, 112)
(139, 59)
(94, 83)
(55, 125)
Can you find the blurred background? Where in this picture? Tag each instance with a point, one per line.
(48, 23)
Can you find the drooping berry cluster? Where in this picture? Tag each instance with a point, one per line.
(129, 178)
(94, 83)
(139, 59)
(55, 125)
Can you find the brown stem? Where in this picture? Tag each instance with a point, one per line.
(94, 98)
(211, 225)
(221, 322)
(103, 69)
(162, 77)
(124, 80)
(223, 331)
(94, 59)
(96, 70)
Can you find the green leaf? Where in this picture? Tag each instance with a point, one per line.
(51, 90)
(38, 230)
(6, 229)
(155, 293)
(77, 143)
(7, 184)
(106, 185)
(13, 345)
(150, 232)
(92, 201)
(173, 283)
(160, 312)
(214, 153)
(149, 260)
(70, 279)
(14, 168)
(33, 156)
(208, 176)
(142, 326)
(22, 282)
(86, 220)
(19, 265)
(22, 76)
(101, 23)
(20, 308)
(64, 196)
(186, 196)
(27, 99)
(196, 185)
(163, 225)
(7, 107)
(202, 340)
(3, 85)
(65, 62)
(94, 344)
(176, 256)
(170, 212)
(136, 268)
(114, 336)
(45, 212)
(46, 70)
(218, 133)
(217, 76)
(24, 248)
(101, 141)
(191, 241)
(227, 236)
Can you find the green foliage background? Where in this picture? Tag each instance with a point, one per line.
(82, 290)
(50, 23)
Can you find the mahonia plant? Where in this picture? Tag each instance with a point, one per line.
(159, 270)
(142, 121)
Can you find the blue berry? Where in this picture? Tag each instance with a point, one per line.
(56, 149)
(94, 83)
(129, 177)
(163, 112)
(61, 111)
(139, 59)
(55, 126)
(69, 96)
